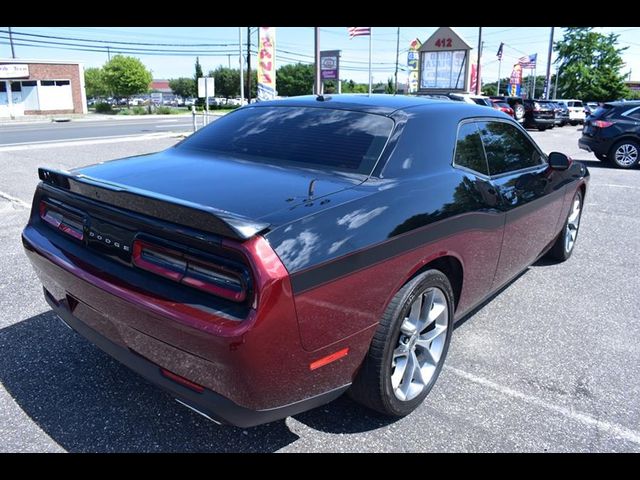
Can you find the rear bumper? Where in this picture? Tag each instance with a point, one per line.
(251, 374)
(208, 403)
(591, 144)
(540, 122)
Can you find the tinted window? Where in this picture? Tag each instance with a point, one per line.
(305, 136)
(635, 114)
(507, 148)
(575, 104)
(469, 152)
(29, 83)
(604, 111)
(47, 83)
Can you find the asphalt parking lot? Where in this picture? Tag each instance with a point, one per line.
(550, 364)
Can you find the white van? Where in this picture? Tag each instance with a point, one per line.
(576, 110)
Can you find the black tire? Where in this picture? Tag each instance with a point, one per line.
(372, 386)
(619, 162)
(542, 129)
(601, 157)
(559, 250)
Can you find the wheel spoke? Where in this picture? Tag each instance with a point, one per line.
(417, 371)
(425, 313)
(407, 375)
(424, 341)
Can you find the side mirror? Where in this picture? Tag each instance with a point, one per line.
(559, 161)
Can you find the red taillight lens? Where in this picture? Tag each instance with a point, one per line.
(62, 220)
(602, 124)
(183, 268)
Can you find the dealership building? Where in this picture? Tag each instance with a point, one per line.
(36, 87)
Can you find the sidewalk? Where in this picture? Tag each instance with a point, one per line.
(93, 117)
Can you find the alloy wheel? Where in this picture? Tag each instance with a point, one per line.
(420, 344)
(573, 223)
(626, 154)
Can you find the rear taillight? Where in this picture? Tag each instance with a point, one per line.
(191, 271)
(602, 124)
(62, 220)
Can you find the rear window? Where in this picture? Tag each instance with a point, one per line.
(305, 136)
(575, 104)
(604, 111)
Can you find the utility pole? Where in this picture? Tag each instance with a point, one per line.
(555, 90)
(547, 82)
(241, 65)
(13, 52)
(316, 39)
(249, 64)
(395, 89)
(229, 59)
(109, 53)
(478, 86)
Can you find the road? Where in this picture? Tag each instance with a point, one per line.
(34, 133)
(551, 364)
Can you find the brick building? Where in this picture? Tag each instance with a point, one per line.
(30, 87)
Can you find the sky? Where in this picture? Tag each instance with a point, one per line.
(295, 44)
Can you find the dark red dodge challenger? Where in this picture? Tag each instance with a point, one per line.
(297, 249)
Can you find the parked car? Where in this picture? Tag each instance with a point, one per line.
(576, 110)
(296, 249)
(470, 98)
(517, 103)
(539, 114)
(503, 107)
(612, 133)
(561, 113)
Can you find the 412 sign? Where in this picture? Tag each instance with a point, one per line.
(444, 43)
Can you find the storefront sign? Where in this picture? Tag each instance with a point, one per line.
(14, 70)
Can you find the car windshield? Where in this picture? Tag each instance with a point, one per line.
(322, 138)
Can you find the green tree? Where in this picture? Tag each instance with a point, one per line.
(349, 86)
(183, 87)
(590, 65)
(390, 87)
(198, 73)
(126, 76)
(292, 80)
(227, 81)
(94, 83)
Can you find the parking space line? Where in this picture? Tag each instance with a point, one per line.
(614, 185)
(15, 200)
(611, 428)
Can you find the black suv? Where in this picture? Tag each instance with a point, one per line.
(517, 103)
(612, 133)
(539, 114)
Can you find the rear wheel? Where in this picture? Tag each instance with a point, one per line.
(624, 154)
(563, 247)
(601, 157)
(409, 347)
(542, 128)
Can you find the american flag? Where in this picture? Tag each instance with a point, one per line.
(359, 31)
(528, 61)
(499, 54)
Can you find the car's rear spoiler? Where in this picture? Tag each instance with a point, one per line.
(167, 208)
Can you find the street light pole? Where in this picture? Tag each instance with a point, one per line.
(249, 64)
(478, 86)
(547, 83)
(241, 66)
(395, 89)
(13, 52)
(316, 39)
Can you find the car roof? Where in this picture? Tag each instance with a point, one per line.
(629, 103)
(384, 104)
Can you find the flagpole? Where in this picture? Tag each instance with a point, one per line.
(370, 80)
(499, 68)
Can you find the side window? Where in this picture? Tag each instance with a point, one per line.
(634, 114)
(507, 148)
(469, 151)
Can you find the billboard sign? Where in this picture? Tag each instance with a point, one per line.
(330, 65)
(267, 63)
(412, 65)
(515, 81)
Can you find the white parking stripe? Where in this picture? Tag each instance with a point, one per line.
(87, 141)
(614, 185)
(611, 428)
(15, 200)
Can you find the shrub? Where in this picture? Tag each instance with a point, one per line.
(103, 107)
(139, 111)
(163, 110)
